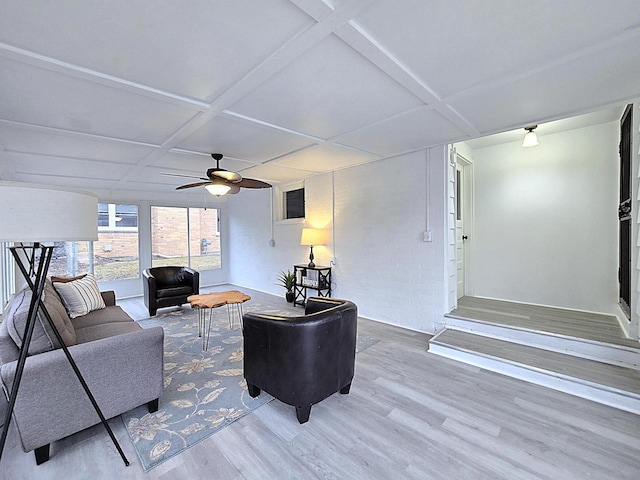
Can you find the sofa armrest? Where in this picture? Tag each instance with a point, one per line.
(123, 372)
(194, 277)
(150, 290)
(109, 297)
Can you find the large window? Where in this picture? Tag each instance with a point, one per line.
(7, 266)
(185, 236)
(114, 256)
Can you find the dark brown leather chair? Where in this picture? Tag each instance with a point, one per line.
(169, 286)
(301, 360)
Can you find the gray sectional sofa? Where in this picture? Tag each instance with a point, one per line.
(121, 362)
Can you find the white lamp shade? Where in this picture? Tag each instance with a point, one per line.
(312, 236)
(42, 213)
(217, 189)
(530, 139)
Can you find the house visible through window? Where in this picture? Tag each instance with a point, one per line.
(114, 256)
(185, 236)
(294, 203)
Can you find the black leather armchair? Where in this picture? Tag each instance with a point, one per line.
(169, 286)
(302, 360)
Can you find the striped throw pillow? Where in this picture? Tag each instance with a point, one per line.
(80, 296)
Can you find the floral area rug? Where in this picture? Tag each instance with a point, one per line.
(204, 390)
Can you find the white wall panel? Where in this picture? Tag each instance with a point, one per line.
(546, 220)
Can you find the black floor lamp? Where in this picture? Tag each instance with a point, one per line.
(30, 214)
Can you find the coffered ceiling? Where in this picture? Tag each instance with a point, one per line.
(109, 95)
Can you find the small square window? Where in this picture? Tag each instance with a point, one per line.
(294, 203)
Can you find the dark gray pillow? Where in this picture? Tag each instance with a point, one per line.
(43, 338)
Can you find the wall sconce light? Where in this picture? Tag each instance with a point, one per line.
(530, 138)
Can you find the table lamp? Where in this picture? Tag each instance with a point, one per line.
(311, 237)
(29, 215)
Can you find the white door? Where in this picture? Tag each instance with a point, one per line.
(460, 237)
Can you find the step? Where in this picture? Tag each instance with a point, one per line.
(611, 385)
(620, 355)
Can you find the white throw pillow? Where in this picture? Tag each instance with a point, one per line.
(80, 296)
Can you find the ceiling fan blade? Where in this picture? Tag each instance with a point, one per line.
(233, 190)
(252, 183)
(191, 185)
(166, 174)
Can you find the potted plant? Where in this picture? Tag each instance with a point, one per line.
(287, 280)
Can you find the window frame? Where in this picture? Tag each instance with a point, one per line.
(112, 225)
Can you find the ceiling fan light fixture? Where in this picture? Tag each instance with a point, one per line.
(220, 182)
(217, 189)
(530, 138)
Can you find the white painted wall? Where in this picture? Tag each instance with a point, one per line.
(546, 227)
(383, 264)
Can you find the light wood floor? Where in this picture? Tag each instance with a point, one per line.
(590, 326)
(410, 414)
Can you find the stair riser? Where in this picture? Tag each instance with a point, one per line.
(622, 402)
(602, 352)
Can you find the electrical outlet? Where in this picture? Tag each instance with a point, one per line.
(427, 236)
(272, 243)
(334, 260)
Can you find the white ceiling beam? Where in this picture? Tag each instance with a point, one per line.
(273, 64)
(73, 133)
(627, 35)
(355, 36)
(6, 173)
(65, 68)
(66, 157)
(229, 113)
(184, 151)
(316, 9)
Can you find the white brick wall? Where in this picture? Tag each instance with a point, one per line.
(383, 264)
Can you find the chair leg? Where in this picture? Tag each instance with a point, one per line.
(253, 390)
(344, 390)
(303, 413)
(42, 454)
(153, 405)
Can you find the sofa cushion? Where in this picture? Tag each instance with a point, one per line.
(104, 330)
(59, 316)
(174, 292)
(43, 338)
(112, 314)
(80, 296)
